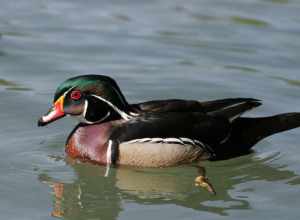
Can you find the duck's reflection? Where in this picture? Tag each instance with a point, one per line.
(92, 195)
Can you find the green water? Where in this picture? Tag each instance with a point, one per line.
(200, 49)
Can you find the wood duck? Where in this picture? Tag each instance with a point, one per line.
(157, 133)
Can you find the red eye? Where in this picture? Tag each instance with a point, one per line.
(75, 95)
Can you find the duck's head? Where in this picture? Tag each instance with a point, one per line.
(91, 98)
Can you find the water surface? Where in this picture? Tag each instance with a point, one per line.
(196, 49)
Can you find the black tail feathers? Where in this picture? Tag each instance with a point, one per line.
(246, 132)
(236, 109)
(220, 104)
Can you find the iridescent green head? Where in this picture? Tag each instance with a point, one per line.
(92, 98)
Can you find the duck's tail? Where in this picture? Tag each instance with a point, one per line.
(237, 107)
(246, 132)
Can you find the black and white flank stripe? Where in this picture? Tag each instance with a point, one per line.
(181, 141)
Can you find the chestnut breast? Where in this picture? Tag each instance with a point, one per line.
(89, 142)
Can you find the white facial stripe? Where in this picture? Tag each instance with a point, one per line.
(83, 119)
(105, 117)
(86, 104)
(66, 92)
(124, 115)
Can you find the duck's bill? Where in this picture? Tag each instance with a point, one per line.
(55, 113)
